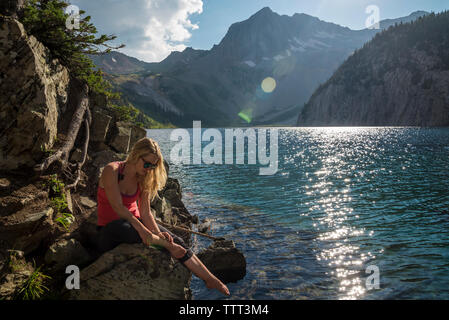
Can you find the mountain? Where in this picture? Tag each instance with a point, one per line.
(118, 63)
(400, 78)
(222, 86)
(385, 24)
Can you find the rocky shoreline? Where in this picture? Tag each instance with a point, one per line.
(45, 228)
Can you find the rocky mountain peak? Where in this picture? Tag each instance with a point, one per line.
(399, 78)
(263, 13)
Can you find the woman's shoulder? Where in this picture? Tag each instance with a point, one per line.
(114, 164)
(112, 168)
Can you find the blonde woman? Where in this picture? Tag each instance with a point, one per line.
(122, 220)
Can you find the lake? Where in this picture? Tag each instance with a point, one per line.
(343, 203)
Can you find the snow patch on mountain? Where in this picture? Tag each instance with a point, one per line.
(250, 63)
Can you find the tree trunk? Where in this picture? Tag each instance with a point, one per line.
(63, 153)
(87, 123)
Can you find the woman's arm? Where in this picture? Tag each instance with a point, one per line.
(145, 213)
(148, 219)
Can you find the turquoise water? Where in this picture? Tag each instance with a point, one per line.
(343, 199)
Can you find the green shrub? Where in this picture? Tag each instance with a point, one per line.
(34, 287)
(46, 20)
(65, 219)
(59, 202)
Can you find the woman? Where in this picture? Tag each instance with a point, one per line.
(122, 220)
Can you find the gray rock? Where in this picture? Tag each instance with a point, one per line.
(163, 210)
(20, 198)
(66, 252)
(37, 88)
(102, 158)
(4, 183)
(76, 155)
(173, 184)
(87, 202)
(173, 197)
(224, 260)
(195, 219)
(100, 126)
(27, 228)
(204, 226)
(99, 146)
(137, 133)
(25, 218)
(121, 139)
(134, 272)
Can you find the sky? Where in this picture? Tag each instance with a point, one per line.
(152, 29)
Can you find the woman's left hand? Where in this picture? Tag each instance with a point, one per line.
(166, 236)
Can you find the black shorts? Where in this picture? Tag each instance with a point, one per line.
(121, 231)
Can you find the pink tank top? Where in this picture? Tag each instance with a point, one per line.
(105, 212)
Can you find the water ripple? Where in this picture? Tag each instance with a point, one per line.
(343, 199)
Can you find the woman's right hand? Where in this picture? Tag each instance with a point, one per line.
(175, 249)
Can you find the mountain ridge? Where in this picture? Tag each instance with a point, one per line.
(220, 84)
(400, 78)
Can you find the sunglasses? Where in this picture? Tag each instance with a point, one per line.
(148, 165)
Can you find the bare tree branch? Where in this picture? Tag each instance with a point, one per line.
(87, 123)
(63, 153)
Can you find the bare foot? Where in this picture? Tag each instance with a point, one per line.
(215, 283)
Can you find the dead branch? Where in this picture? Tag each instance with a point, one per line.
(189, 231)
(63, 153)
(87, 123)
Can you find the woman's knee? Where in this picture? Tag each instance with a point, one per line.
(116, 232)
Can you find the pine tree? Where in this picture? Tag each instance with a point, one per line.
(46, 20)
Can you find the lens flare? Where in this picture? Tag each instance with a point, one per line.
(268, 84)
(246, 114)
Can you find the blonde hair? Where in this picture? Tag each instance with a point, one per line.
(156, 178)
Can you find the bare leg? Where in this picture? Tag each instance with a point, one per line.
(201, 271)
(198, 268)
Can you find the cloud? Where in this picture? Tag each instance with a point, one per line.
(150, 29)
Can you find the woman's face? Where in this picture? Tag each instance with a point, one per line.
(150, 160)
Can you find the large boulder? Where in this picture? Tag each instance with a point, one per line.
(121, 140)
(124, 135)
(26, 229)
(35, 88)
(224, 260)
(100, 126)
(162, 209)
(134, 272)
(137, 133)
(66, 252)
(16, 200)
(26, 218)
